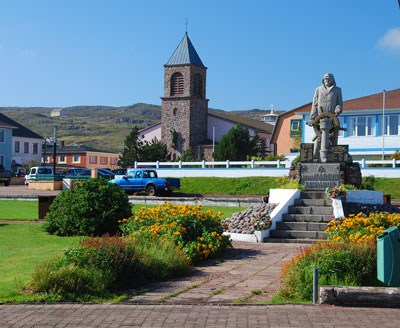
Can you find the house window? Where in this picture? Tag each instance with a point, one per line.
(16, 147)
(48, 159)
(177, 84)
(26, 147)
(391, 126)
(62, 159)
(360, 126)
(341, 121)
(35, 148)
(76, 159)
(295, 128)
(113, 160)
(93, 159)
(103, 160)
(2, 133)
(2, 160)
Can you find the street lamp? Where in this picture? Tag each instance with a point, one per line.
(383, 124)
(55, 152)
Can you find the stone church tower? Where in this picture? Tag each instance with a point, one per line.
(184, 105)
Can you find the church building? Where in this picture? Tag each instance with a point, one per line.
(186, 121)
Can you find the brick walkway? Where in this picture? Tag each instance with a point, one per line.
(176, 316)
(247, 273)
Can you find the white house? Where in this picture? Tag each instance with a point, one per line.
(26, 144)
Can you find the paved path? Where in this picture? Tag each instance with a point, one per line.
(247, 273)
(177, 316)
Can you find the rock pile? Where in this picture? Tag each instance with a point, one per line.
(241, 222)
(366, 209)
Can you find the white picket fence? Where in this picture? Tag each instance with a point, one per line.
(234, 169)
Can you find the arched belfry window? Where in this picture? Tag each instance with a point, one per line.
(198, 86)
(177, 84)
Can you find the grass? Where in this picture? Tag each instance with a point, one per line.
(228, 186)
(28, 210)
(389, 186)
(18, 210)
(22, 248)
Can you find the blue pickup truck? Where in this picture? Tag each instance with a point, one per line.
(146, 180)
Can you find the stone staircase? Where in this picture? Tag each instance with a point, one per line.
(306, 221)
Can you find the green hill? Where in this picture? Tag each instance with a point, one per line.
(103, 127)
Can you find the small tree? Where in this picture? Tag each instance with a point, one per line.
(236, 145)
(132, 148)
(153, 151)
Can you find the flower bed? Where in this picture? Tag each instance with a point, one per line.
(196, 232)
(359, 228)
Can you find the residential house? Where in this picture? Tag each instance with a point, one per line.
(6, 131)
(26, 144)
(82, 156)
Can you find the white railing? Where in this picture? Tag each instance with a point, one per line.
(393, 162)
(226, 164)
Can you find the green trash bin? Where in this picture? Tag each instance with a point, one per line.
(388, 257)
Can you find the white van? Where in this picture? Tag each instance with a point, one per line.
(38, 172)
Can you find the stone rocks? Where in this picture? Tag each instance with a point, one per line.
(241, 222)
(366, 209)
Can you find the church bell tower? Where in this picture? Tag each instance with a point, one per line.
(184, 105)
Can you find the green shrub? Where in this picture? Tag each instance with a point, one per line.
(158, 258)
(368, 183)
(348, 264)
(113, 256)
(68, 282)
(93, 207)
(285, 183)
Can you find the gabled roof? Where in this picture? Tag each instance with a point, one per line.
(249, 122)
(7, 125)
(77, 149)
(21, 131)
(185, 53)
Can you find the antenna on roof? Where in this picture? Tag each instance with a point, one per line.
(187, 22)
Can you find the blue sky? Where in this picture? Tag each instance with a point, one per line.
(258, 52)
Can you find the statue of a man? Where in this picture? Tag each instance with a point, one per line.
(327, 99)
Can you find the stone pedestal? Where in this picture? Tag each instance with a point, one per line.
(338, 169)
(319, 176)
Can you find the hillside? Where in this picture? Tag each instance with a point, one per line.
(102, 127)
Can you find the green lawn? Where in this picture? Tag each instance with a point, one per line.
(18, 210)
(22, 247)
(228, 186)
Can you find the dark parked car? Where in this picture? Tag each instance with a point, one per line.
(119, 171)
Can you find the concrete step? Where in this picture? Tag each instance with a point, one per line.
(297, 234)
(313, 202)
(313, 195)
(291, 240)
(306, 218)
(301, 226)
(316, 210)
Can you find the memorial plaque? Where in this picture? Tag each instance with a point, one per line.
(306, 152)
(320, 176)
(338, 153)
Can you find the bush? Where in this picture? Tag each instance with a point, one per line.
(196, 232)
(93, 207)
(285, 183)
(368, 183)
(159, 258)
(99, 266)
(68, 282)
(348, 264)
(357, 228)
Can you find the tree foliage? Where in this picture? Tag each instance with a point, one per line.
(137, 149)
(236, 145)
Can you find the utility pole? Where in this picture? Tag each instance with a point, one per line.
(55, 152)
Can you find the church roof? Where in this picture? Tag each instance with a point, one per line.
(185, 53)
